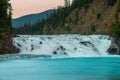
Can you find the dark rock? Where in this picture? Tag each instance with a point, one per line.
(89, 44)
(6, 43)
(65, 53)
(114, 48)
(16, 36)
(75, 48)
(6, 47)
(18, 44)
(62, 48)
(41, 43)
(55, 52)
(86, 43)
(76, 38)
(32, 48)
(119, 45)
(58, 48)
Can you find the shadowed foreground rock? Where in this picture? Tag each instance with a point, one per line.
(114, 47)
(6, 44)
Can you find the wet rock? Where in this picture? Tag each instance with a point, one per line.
(114, 48)
(18, 44)
(89, 44)
(65, 53)
(16, 36)
(86, 43)
(58, 49)
(6, 43)
(55, 52)
(76, 38)
(119, 45)
(41, 42)
(7, 47)
(32, 48)
(62, 48)
(75, 48)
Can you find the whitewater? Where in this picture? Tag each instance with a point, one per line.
(61, 57)
(68, 45)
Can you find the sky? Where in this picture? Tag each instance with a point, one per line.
(24, 7)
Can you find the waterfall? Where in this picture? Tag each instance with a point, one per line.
(69, 45)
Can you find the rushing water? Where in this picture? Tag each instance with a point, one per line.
(60, 57)
(63, 45)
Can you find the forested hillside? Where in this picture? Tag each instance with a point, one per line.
(6, 34)
(5, 16)
(82, 16)
(30, 19)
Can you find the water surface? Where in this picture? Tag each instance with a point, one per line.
(90, 68)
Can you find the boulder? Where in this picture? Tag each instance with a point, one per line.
(114, 48)
(7, 47)
(55, 53)
(41, 42)
(32, 48)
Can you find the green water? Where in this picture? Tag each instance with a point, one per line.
(92, 68)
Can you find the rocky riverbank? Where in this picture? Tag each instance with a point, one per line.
(114, 47)
(6, 44)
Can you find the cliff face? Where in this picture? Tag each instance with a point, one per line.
(97, 18)
(6, 46)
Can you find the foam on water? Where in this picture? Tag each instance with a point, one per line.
(72, 45)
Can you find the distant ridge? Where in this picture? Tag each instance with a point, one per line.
(31, 18)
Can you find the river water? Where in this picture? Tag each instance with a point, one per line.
(61, 57)
(94, 68)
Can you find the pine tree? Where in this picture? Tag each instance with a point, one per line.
(5, 14)
(67, 3)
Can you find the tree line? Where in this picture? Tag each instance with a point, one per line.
(5, 15)
(58, 21)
